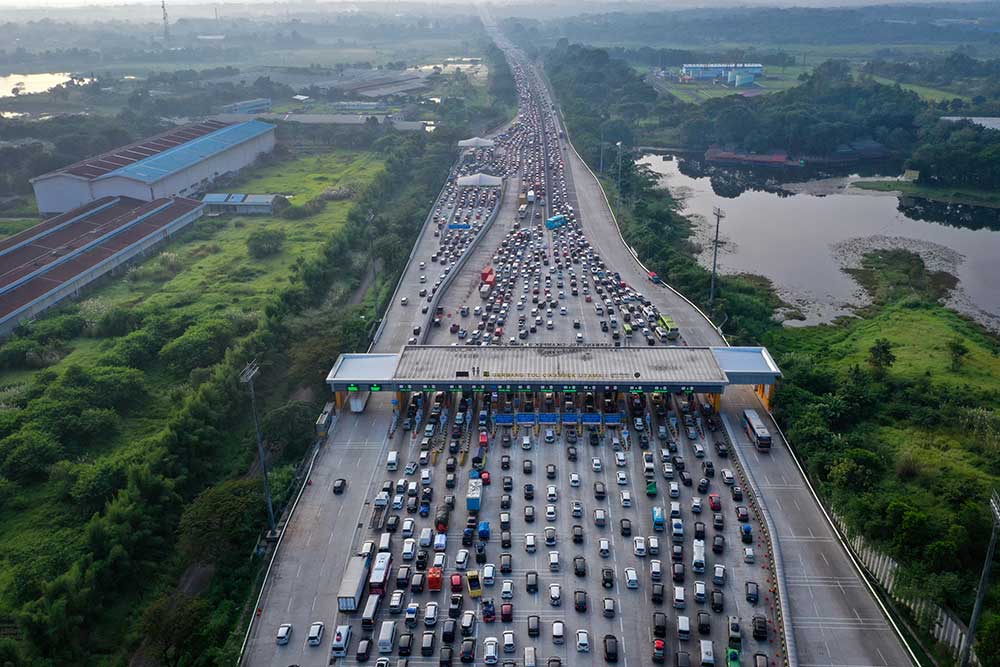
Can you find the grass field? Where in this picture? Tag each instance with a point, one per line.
(990, 198)
(11, 226)
(205, 271)
(926, 92)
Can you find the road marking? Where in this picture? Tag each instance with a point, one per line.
(299, 571)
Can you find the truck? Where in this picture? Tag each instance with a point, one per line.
(484, 530)
(484, 293)
(531, 196)
(352, 586)
(474, 498)
(555, 222)
(522, 199)
(487, 275)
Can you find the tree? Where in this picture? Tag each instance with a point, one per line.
(957, 349)
(221, 523)
(880, 356)
(174, 626)
(265, 242)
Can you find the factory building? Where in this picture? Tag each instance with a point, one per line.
(240, 204)
(181, 162)
(703, 71)
(259, 105)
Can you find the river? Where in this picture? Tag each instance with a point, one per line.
(802, 241)
(31, 83)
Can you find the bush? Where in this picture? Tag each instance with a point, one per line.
(265, 242)
(201, 345)
(14, 354)
(221, 524)
(26, 455)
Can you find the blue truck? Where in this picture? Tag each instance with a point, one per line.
(484, 530)
(555, 222)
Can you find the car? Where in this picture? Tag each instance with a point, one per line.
(456, 583)
(462, 560)
(626, 498)
(742, 514)
(703, 485)
(508, 641)
(626, 527)
(696, 506)
(576, 509)
(397, 601)
(284, 634)
(718, 544)
(534, 626)
(677, 553)
(508, 483)
(631, 578)
(467, 624)
(410, 617)
(550, 471)
(719, 575)
(315, 636)
(621, 478)
(610, 648)
(505, 563)
(531, 581)
(639, 546)
(527, 467)
(704, 623)
(715, 502)
(468, 652)
(737, 493)
(455, 605)
(558, 632)
(595, 464)
(759, 627)
(582, 641)
(752, 592)
(718, 601)
(550, 512)
(550, 536)
(555, 594)
(580, 566)
(339, 485)
(656, 595)
(551, 493)
(659, 624)
(529, 513)
(529, 491)
(655, 570)
(489, 574)
(727, 477)
(700, 591)
(507, 589)
(577, 534)
(600, 492)
(677, 572)
(748, 555)
(659, 651)
(507, 612)
(574, 479)
(504, 462)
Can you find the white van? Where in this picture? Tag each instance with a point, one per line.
(683, 628)
(707, 652)
(529, 657)
(678, 597)
(387, 637)
(385, 542)
(440, 542)
(392, 462)
(341, 641)
(426, 535)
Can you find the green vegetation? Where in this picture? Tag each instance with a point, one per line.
(944, 77)
(895, 413)
(11, 226)
(124, 430)
(989, 198)
(926, 92)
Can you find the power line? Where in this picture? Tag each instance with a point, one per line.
(719, 215)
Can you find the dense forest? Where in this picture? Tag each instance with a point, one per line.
(907, 459)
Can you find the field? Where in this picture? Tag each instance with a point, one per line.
(777, 80)
(11, 226)
(948, 195)
(206, 271)
(926, 92)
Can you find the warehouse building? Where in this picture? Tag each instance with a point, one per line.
(180, 162)
(259, 105)
(240, 204)
(54, 260)
(703, 71)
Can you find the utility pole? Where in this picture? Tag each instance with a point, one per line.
(166, 24)
(601, 168)
(719, 215)
(984, 581)
(246, 377)
(371, 244)
(619, 145)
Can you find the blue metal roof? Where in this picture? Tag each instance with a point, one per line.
(747, 365)
(215, 198)
(235, 198)
(173, 160)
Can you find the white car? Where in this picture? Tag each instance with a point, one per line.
(604, 548)
(655, 570)
(582, 641)
(696, 505)
(675, 490)
(431, 614)
(550, 512)
(508, 641)
(574, 479)
(489, 574)
(727, 477)
(397, 501)
(626, 499)
(631, 578)
(529, 543)
(622, 478)
(315, 637)
(577, 509)
(284, 634)
(440, 559)
(462, 559)
(595, 464)
(639, 545)
(507, 589)
(555, 595)
(748, 555)
(653, 544)
(408, 525)
(619, 459)
(551, 494)
(409, 548)
(491, 651)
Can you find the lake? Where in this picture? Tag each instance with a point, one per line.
(801, 241)
(32, 83)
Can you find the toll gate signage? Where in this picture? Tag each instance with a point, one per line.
(591, 417)
(503, 419)
(525, 417)
(548, 418)
(614, 418)
(569, 417)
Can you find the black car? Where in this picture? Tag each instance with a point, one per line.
(704, 623)
(759, 624)
(529, 513)
(505, 462)
(339, 485)
(550, 471)
(505, 539)
(571, 452)
(659, 624)
(677, 553)
(445, 656)
(580, 566)
(577, 534)
(600, 491)
(527, 467)
(392, 523)
(468, 653)
(658, 593)
(753, 592)
(737, 492)
(505, 563)
(718, 601)
(448, 628)
(718, 544)
(531, 581)
(405, 644)
(529, 491)
(702, 485)
(708, 468)
(411, 504)
(364, 650)
(580, 601)
(685, 477)
(427, 644)
(721, 450)
(455, 606)
(422, 559)
(505, 501)
(534, 626)
(699, 530)
(480, 553)
(717, 521)
(508, 483)
(677, 570)
(626, 527)
(607, 577)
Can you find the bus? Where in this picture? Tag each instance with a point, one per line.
(661, 333)
(668, 325)
(658, 520)
(627, 328)
(756, 431)
(522, 211)
(379, 578)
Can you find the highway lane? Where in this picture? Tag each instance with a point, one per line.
(835, 619)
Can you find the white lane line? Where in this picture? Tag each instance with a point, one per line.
(299, 571)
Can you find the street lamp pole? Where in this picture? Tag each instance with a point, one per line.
(984, 581)
(619, 145)
(719, 215)
(246, 377)
(601, 168)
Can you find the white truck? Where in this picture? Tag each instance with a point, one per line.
(352, 586)
(531, 196)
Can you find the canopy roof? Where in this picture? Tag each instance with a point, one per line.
(475, 142)
(480, 180)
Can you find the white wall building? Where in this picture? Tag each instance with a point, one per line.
(183, 161)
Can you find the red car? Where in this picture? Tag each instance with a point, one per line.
(659, 650)
(507, 612)
(715, 502)
(456, 583)
(485, 476)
